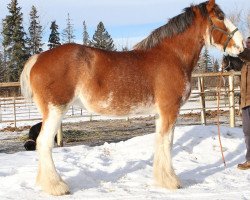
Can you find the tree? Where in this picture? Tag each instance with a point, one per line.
(206, 61)
(35, 33)
(248, 23)
(125, 48)
(1, 68)
(68, 32)
(102, 39)
(54, 39)
(216, 66)
(85, 35)
(241, 19)
(14, 49)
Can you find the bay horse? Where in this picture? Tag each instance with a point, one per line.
(152, 78)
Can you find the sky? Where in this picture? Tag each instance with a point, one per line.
(127, 21)
(123, 170)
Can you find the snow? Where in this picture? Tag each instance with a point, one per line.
(124, 170)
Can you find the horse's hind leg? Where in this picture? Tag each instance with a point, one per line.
(163, 170)
(49, 180)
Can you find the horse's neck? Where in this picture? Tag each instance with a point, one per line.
(187, 47)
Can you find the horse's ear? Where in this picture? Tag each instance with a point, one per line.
(210, 5)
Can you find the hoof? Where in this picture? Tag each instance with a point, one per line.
(169, 182)
(171, 185)
(56, 188)
(61, 188)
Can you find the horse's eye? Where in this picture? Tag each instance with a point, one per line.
(221, 17)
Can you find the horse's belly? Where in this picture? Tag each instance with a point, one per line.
(111, 107)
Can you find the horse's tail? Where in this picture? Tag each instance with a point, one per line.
(25, 77)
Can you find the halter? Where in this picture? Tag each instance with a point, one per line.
(229, 35)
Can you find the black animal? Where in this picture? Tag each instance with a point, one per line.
(232, 63)
(30, 144)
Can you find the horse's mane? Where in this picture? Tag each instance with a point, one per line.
(176, 25)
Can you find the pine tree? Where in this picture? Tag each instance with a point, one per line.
(85, 35)
(54, 39)
(15, 52)
(102, 39)
(68, 32)
(125, 48)
(35, 33)
(206, 60)
(216, 66)
(199, 68)
(1, 68)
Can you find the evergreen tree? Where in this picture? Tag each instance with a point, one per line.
(206, 61)
(68, 32)
(15, 52)
(1, 68)
(102, 39)
(125, 48)
(216, 66)
(54, 39)
(85, 35)
(199, 68)
(35, 33)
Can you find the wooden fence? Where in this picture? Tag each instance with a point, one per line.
(230, 92)
(16, 109)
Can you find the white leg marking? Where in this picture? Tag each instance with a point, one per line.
(163, 170)
(47, 177)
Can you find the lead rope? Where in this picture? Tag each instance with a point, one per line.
(218, 113)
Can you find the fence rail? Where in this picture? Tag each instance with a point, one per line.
(16, 109)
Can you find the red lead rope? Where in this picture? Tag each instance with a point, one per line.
(218, 115)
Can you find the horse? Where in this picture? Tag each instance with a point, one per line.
(153, 78)
(232, 63)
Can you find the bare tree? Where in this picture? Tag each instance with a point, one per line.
(68, 33)
(248, 23)
(241, 18)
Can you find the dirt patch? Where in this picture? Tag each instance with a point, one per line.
(98, 132)
(94, 133)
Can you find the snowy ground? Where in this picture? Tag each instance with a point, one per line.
(124, 170)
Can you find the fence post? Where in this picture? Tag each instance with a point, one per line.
(0, 112)
(60, 137)
(202, 100)
(14, 104)
(231, 100)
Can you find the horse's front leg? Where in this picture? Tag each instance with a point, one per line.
(163, 170)
(49, 180)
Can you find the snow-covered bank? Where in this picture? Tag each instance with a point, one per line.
(124, 170)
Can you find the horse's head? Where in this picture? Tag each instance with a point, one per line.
(221, 32)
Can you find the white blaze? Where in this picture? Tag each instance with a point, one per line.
(237, 38)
